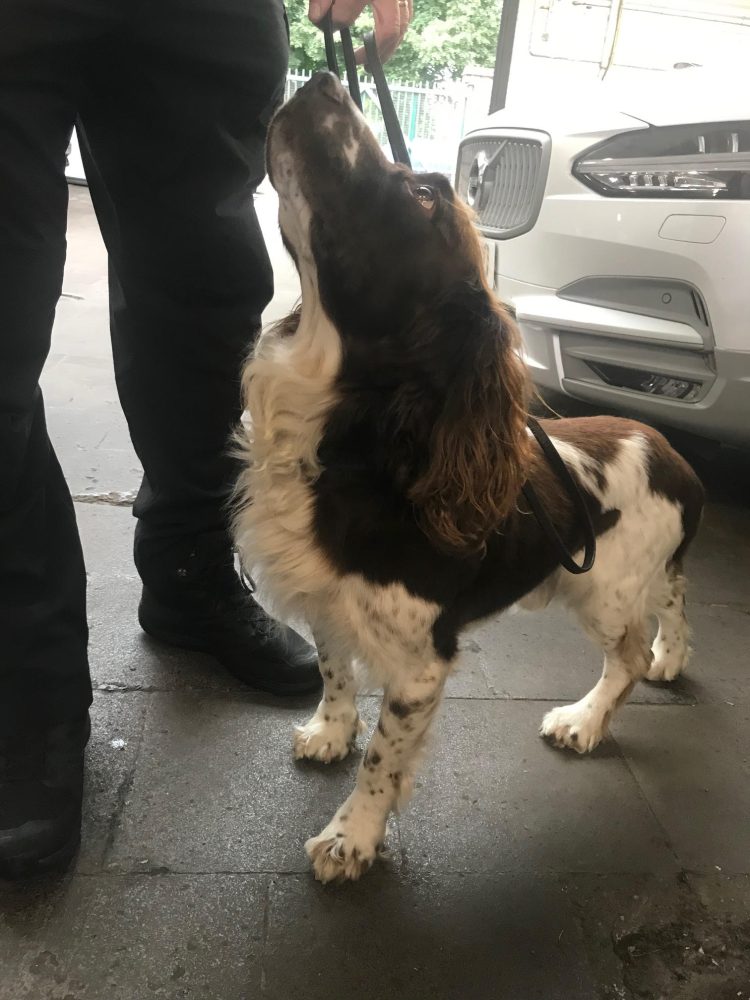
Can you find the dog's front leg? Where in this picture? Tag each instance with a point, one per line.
(331, 732)
(348, 845)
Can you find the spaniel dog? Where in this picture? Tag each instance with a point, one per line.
(385, 450)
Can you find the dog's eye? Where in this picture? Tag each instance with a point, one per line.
(426, 196)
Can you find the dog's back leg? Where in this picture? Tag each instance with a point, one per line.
(349, 843)
(671, 647)
(619, 627)
(331, 732)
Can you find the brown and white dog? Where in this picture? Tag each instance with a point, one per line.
(385, 451)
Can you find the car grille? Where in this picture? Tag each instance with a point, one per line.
(502, 176)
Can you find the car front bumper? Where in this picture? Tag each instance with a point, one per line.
(584, 350)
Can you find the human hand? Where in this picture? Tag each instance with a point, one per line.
(392, 18)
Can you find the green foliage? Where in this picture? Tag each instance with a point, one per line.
(445, 37)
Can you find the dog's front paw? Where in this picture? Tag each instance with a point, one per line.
(327, 738)
(347, 847)
(573, 726)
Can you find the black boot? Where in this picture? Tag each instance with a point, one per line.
(193, 597)
(41, 788)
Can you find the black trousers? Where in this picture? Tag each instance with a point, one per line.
(173, 99)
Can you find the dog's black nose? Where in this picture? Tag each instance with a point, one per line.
(328, 84)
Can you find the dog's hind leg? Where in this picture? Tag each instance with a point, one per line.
(627, 659)
(348, 845)
(331, 732)
(671, 647)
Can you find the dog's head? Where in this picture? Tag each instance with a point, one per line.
(395, 261)
(383, 240)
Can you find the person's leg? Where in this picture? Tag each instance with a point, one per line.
(175, 121)
(45, 689)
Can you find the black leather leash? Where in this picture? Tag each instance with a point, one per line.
(579, 504)
(375, 67)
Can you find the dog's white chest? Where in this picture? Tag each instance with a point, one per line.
(289, 390)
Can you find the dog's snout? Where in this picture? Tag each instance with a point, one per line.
(327, 84)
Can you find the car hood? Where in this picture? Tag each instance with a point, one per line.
(676, 98)
(684, 97)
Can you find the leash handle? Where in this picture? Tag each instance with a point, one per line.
(375, 66)
(351, 66)
(327, 28)
(390, 118)
(571, 486)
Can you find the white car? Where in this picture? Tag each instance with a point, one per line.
(619, 230)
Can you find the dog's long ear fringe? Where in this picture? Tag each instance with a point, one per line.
(479, 448)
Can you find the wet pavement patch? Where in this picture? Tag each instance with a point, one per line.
(705, 958)
(683, 938)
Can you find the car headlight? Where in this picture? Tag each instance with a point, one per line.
(710, 161)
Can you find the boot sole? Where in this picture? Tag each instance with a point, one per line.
(24, 866)
(183, 641)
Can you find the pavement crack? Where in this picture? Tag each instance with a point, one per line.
(115, 687)
(264, 935)
(123, 791)
(644, 798)
(153, 870)
(739, 606)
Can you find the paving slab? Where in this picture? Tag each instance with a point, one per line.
(693, 765)
(493, 796)
(469, 679)
(726, 896)
(123, 658)
(128, 938)
(546, 656)
(719, 668)
(443, 937)
(116, 730)
(216, 787)
(718, 563)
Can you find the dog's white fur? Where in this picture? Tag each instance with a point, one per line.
(289, 387)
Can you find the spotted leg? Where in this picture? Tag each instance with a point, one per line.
(627, 658)
(347, 846)
(671, 647)
(331, 732)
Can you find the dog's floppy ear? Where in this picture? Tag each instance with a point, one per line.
(478, 447)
